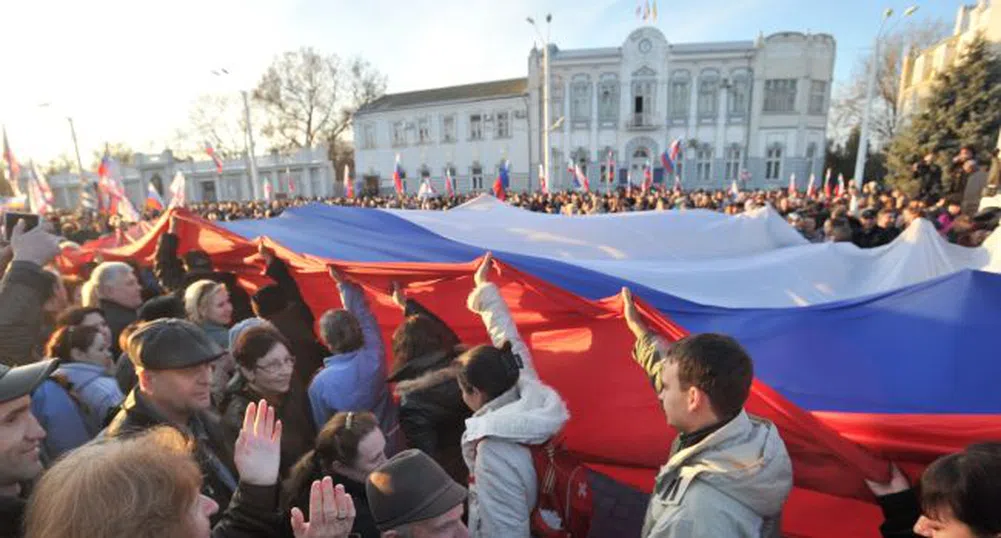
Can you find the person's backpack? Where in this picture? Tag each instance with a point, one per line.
(565, 505)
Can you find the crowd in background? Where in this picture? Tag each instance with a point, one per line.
(871, 216)
(197, 408)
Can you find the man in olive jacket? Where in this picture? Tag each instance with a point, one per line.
(24, 289)
(173, 360)
(728, 473)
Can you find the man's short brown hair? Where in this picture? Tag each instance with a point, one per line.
(717, 365)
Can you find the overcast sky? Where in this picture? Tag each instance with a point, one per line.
(128, 70)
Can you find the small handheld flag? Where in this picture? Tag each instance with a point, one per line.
(449, 183)
(154, 202)
(215, 157)
(12, 165)
(349, 186)
(647, 177)
(503, 180)
(398, 177)
(177, 190)
(580, 178)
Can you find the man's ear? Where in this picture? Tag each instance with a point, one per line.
(696, 398)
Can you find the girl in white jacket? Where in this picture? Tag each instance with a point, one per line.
(512, 409)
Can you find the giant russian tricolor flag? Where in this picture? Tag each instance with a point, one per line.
(858, 366)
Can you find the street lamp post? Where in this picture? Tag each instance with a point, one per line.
(870, 85)
(545, 93)
(255, 187)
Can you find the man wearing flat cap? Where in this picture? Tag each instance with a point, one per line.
(20, 440)
(173, 361)
(411, 496)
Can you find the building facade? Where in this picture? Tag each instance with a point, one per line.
(921, 66)
(757, 106)
(307, 172)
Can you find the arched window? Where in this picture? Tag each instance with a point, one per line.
(608, 98)
(708, 98)
(737, 100)
(580, 92)
(680, 94)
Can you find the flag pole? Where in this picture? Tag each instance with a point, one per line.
(79, 161)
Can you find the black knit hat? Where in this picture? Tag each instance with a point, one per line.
(164, 306)
(410, 487)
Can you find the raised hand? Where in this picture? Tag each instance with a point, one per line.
(36, 245)
(482, 275)
(632, 315)
(335, 274)
(331, 512)
(266, 253)
(898, 483)
(257, 454)
(399, 298)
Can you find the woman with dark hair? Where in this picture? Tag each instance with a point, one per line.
(91, 316)
(74, 402)
(432, 413)
(961, 494)
(348, 448)
(511, 408)
(959, 497)
(265, 372)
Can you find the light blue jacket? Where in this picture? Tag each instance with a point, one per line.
(60, 417)
(356, 381)
(97, 391)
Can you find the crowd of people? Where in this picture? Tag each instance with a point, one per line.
(868, 217)
(196, 408)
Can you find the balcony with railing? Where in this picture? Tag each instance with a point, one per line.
(641, 122)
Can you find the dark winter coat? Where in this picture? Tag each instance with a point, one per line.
(900, 512)
(24, 289)
(213, 453)
(118, 317)
(294, 320)
(11, 515)
(298, 431)
(432, 412)
(169, 270)
(929, 178)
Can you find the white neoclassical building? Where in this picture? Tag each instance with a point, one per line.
(308, 172)
(759, 106)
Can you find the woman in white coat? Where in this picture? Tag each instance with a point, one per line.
(512, 409)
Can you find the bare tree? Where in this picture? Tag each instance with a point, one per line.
(62, 163)
(309, 98)
(118, 151)
(216, 119)
(849, 105)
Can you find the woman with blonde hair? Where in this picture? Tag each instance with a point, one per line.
(148, 486)
(207, 305)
